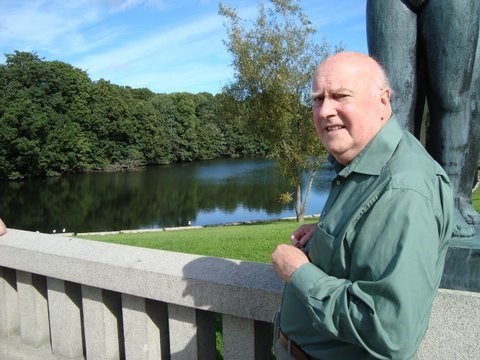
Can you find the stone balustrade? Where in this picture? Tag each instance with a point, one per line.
(67, 298)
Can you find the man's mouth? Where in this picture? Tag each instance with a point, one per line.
(334, 128)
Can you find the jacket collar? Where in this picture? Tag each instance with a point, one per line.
(372, 159)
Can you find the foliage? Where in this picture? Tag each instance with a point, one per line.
(54, 120)
(274, 59)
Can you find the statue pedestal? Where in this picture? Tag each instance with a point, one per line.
(462, 264)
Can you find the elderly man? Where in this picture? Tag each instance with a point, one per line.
(360, 283)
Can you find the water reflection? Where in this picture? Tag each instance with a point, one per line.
(201, 193)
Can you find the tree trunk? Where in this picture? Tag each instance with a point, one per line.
(301, 204)
(299, 209)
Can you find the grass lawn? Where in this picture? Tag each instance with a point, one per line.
(476, 199)
(252, 242)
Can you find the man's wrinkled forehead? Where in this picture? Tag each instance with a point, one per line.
(334, 78)
(352, 69)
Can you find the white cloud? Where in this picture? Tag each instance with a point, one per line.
(176, 44)
(144, 43)
(123, 5)
(53, 27)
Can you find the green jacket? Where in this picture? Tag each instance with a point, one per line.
(377, 255)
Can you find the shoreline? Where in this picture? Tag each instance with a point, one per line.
(177, 228)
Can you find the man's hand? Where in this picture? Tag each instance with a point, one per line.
(302, 235)
(286, 259)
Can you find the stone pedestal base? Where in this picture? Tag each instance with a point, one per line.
(462, 264)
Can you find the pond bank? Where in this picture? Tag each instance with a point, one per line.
(176, 228)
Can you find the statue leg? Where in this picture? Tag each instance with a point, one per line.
(449, 33)
(392, 40)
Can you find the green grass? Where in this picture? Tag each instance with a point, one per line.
(476, 199)
(252, 242)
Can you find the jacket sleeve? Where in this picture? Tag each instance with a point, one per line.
(397, 255)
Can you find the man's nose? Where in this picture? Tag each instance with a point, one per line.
(326, 109)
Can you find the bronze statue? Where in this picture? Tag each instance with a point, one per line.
(430, 51)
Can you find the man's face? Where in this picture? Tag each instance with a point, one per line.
(347, 113)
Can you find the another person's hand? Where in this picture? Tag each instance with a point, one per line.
(302, 235)
(286, 259)
(3, 228)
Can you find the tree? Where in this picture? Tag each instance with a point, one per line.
(274, 60)
(39, 103)
(240, 140)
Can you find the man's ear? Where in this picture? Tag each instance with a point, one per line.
(385, 103)
(385, 96)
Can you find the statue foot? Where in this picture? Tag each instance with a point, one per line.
(468, 212)
(460, 227)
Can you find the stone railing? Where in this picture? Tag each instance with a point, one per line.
(67, 298)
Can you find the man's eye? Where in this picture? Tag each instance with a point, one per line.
(317, 100)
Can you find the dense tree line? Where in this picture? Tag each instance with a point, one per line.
(55, 120)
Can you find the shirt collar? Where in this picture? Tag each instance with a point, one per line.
(374, 156)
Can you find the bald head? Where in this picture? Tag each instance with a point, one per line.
(360, 65)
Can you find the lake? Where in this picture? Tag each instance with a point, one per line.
(199, 193)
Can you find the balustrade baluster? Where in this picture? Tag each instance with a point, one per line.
(141, 331)
(64, 300)
(9, 315)
(33, 308)
(102, 317)
(238, 338)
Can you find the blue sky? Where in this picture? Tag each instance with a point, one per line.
(163, 45)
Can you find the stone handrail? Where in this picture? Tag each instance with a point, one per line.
(108, 301)
(68, 298)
